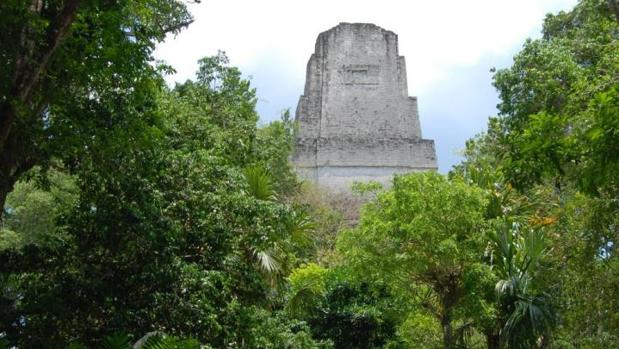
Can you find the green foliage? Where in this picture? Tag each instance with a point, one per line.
(175, 241)
(71, 72)
(363, 188)
(308, 285)
(429, 225)
(33, 209)
(168, 342)
(421, 330)
(585, 254)
(276, 331)
(527, 312)
(273, 146)
(156, 210)
(152, 340)
(598, 141)
(555, 98)
(556, 135)
(323, 215)
(426, 231)
(310, 276)
(259, 182)
(215, 113)
(116, 341)
(337, 308)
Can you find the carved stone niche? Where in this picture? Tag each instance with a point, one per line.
(361, 74)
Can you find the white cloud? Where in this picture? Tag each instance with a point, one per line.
(435, 36)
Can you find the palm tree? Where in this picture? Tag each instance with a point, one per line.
(526, 315)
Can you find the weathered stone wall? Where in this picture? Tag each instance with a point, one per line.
(356, 120)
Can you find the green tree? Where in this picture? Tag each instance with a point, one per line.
(64, 60)
(526, 313)
(557, 115)
(165, 235)
(426, 231)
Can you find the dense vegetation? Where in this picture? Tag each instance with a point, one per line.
(139, 213)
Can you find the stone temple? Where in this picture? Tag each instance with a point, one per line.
(356, 120)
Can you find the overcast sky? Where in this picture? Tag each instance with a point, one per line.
(449, 45)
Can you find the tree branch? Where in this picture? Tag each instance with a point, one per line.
(55, 34)
(27, 76)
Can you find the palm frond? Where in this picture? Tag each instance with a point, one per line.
(140, 343)
(116, 341)
(534, 249)
(508, 287)
(267, 261)
(531, 318)
(301, 226)
(259, 182)
(167, 342)
(302, 301)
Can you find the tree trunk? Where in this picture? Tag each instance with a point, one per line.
(13, 164)
(7, 116)
(5, 188)
(448, 337)
(493, 340)
(614, 6)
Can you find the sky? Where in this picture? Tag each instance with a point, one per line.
(449, 45)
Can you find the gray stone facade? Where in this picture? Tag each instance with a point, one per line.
(356, 120)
